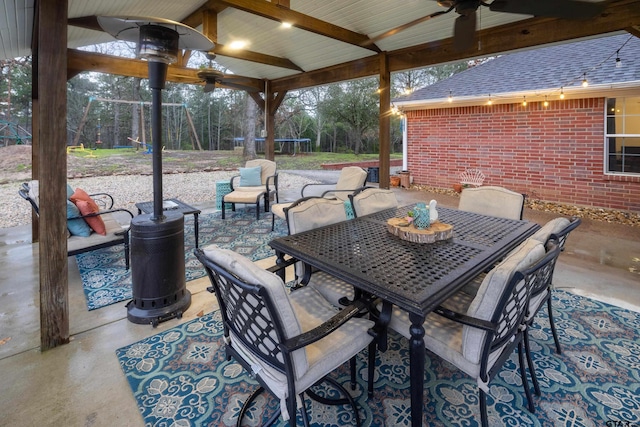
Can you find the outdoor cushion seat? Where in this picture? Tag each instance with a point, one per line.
(258, 180)
(493, 201)
(115, 234)
(289, 341)
(371, 200)
(477, 334)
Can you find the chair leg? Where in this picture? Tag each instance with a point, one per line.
(484, 421)
(373, 348)
(523, 375)
(352, 369)
(258, 210)
(223, 207)
(553, 326)
(273, 221)
(532, 369)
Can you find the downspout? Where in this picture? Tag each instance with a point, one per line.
(405, 148)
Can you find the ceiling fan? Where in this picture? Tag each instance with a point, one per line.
(210, 76)
(464, 30)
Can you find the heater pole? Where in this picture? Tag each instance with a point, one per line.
(157, 76)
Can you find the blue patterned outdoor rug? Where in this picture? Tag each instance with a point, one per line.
(180, 377)
(106, 281)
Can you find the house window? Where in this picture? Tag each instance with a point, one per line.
(622, 135)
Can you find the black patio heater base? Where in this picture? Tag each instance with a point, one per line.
(157, 269)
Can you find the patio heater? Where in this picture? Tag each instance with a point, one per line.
(159, 289)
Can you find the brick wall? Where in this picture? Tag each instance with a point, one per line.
(553, 153)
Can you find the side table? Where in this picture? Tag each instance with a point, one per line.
(222, 189)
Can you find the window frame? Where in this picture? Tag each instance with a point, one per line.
(607, 154)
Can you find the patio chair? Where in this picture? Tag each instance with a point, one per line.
(351, 179)
(257, 180)
(478, 334)
(90, 223)
(370, 200)
(556, 230)
(309, 213)
(493, 201)
(288, 341)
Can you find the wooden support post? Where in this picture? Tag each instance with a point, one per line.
(193, 128)
(384, 120)
(52, 95)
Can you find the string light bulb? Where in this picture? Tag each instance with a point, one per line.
(490, 101)
(546, 102)
(618, 60)
(524, 101)
(562, 93)
(585, 82)
(450, 98)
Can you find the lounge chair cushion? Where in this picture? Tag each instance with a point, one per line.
(87, 206)
(78, 226)
(551, 227)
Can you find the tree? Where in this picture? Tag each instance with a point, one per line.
(355, 104)
(249, 129)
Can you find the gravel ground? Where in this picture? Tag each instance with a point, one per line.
(129, 189)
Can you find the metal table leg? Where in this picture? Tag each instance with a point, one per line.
(416, 368)
(196, 227)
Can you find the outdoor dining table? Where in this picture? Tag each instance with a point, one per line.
(416, 277)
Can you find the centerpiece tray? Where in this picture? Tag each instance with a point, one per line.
(407, 231)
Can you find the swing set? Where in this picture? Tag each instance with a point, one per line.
(193, 136)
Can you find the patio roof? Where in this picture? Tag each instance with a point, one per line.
(329, 41)
(540, 73)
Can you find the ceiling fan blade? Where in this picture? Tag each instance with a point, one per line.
(464, 32)
(408, 25)
(566, 9)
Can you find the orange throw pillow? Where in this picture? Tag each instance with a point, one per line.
(87, 206)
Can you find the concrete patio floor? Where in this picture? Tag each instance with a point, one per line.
(81, 383)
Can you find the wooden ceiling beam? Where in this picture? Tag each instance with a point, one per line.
(634, 30)
(260, 58)
(279, 13)
(618, 16)
(78, 61)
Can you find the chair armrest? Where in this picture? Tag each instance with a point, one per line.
(102, 213)
(340, 191)
(326, 328)
(315, 184)
(103, 195)
(466, 320)
(24, 193)
(232, 179)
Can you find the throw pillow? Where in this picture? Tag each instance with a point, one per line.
(87, 206)
(250, 177)
(69, 191)
(77, 227)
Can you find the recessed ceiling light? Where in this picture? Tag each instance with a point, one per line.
(237, 44)
(287, 25)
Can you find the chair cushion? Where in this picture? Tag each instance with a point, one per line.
(314, 213)
(491, 200)
(351, 178)
(490, 291)
(244, 195)
(268, 168)
(77, 227)
(250, 177)
(278, 209)
(374, 200)
(331, 288)
(554, 226)
(87, 206)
